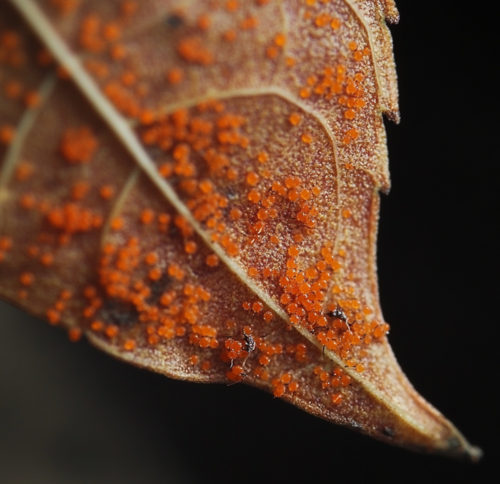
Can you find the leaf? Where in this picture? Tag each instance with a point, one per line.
(195, 189)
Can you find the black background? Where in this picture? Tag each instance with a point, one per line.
(69, 414)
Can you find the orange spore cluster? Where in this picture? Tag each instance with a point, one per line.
(193, 49)
(78, 145)
(197, 147)
(72, 218)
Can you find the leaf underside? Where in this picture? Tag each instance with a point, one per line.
(194, 186)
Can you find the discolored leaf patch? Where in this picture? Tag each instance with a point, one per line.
(194, 186)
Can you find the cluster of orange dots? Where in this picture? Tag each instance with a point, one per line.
(129, 274)
(78, 145)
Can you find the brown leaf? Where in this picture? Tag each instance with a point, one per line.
(195, 189)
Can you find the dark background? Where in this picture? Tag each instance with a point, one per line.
(69, 414)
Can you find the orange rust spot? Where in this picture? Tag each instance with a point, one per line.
(262, 157)
(74, 334)
(229, 36)
(204, 22)
(190, 247)
(280, 40)
(79, 190)
(253, 272)
(192, 49)
(212, 260)
(26, 278)
(24, 171)
(235, 213)
(147, 216)
(335, 24)
(272, 52)
(294, 119)
(129, 345)
(78, 145)
(175, 75)
(47, 259)
(252, 178)
(53, 316)
(306, 138)
(249, 23)
(7, 134)
(107, 192)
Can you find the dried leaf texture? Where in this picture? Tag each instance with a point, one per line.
(194, 186)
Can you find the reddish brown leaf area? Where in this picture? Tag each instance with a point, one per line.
(194, 186)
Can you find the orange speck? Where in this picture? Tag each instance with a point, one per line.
(306, 138)
(292, 182)
(274, 239)
(232, 5)
(154, 274)
(358, 55)
(151, 258)
(106, 192)
(294, 119)
(117, 52)
(74, 334)
(235, 214)
(272, 52)
(53, 316)
(32, 99)
(117, 224)
(257, 307)
(129, 345)
(111, 331)
(229, 35)
(335, 24)
(254, 196)
(212, 260)
(47, 259)
(192, 49)
(190, 247)
(147, 216)
(96, 326)
(253, 272)
(350, 114)
(352, 45)
(78, 145)
(252, 178)
(336, 398)
(346, 213)
(268, 316)
(23, 171)
(249, 23)
(175, 76)
(204, 22)
(26, 278)
(305, 194)
(279, 390)
(280, 40)
(262, 157)
(290, 61)
(304, 92)
(6, 134)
